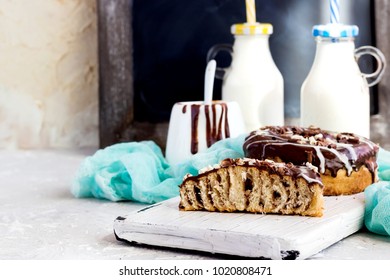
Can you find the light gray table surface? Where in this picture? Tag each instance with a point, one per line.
(41, 220)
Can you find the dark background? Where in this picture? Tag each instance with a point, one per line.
(172, 37)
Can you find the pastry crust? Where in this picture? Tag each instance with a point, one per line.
(343, 184)
(255, 186)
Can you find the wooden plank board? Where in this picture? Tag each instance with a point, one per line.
(243, 234)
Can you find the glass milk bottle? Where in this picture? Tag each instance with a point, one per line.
(335, 94)
(252, 80)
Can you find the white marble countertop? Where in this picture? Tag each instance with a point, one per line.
(40, 219)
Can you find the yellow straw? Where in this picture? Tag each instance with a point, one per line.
(250, 11)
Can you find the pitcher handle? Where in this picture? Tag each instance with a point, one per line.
(380, 59)
(213, 52)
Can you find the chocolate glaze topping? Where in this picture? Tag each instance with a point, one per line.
(324, 149)
(308, 172)
(216, 128)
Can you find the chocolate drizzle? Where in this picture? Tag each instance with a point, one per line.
(323, 149)
(194, 128)
(217, 126)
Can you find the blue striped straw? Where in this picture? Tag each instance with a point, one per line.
(334, 11)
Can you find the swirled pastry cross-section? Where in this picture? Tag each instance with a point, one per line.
(249, 185)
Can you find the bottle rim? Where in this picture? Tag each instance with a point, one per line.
(252, 29)
(335, 30)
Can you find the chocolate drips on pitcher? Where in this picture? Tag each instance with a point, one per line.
(217, 128)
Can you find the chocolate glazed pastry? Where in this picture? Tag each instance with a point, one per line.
(250, 185)
(345, 161)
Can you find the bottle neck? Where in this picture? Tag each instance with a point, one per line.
(336, 48)
(244, 40)
(251, 46)
(337, 54)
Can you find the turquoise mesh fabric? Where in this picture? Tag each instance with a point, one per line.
(138, 171)
(377, 196)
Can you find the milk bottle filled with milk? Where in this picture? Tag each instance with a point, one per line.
(335, 94)
(253, 79)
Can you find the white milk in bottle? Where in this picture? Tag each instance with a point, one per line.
(253, 80)
(335, 94)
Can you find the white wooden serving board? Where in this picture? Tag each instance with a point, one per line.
(243, 234)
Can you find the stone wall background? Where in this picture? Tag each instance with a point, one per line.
(48, 74)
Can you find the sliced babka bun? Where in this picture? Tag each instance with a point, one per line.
(258, 186)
